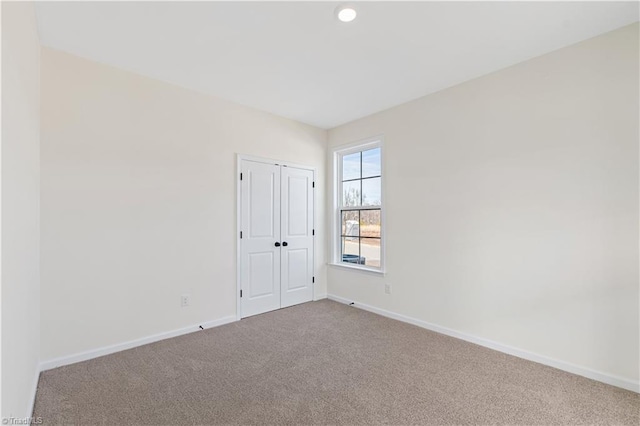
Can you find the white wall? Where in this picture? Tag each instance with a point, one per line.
(512, 207)
(20, 208)
(138, 202)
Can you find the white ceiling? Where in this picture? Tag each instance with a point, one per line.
(296, 60)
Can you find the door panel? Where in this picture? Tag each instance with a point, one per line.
(260, 223)
(298, 265)
(296, 205)
(262, 187)
(261, 275)
(297, 232)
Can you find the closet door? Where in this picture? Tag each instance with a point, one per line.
(260, 254)
(297, 236)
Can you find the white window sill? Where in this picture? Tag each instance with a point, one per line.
(354, 267)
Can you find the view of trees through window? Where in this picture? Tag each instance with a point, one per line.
(361, 204)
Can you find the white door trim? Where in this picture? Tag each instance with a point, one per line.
(239, 159)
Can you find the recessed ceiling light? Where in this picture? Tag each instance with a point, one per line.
(346, 13)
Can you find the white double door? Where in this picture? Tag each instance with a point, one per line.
(276, 242)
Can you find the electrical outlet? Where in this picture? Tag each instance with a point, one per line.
(185, 300)
(387, 288)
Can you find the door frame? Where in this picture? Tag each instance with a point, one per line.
(239, 159)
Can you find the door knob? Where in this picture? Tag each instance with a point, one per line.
(277, 244)
(284, 244)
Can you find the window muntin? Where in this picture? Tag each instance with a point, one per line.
(360, 207)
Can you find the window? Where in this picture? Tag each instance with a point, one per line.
(359, 206)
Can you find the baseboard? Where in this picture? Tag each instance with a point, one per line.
(609, 379)
(320, 297)
(106, 350)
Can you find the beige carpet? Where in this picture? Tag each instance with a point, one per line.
(323, 363)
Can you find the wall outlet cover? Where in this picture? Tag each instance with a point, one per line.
(185, 300)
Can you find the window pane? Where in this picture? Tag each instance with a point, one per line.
(361, 185)
(351, 166)
(371, 192)
(371, 163)
(370, 251)
(351, 193)
(350, 224)
(370, 223)
(351, 251)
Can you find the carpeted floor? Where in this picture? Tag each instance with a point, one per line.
(323, 363)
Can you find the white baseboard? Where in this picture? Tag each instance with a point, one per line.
(320, 297)
(106, 350)
(609, 379)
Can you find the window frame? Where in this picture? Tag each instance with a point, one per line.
(338, 153)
